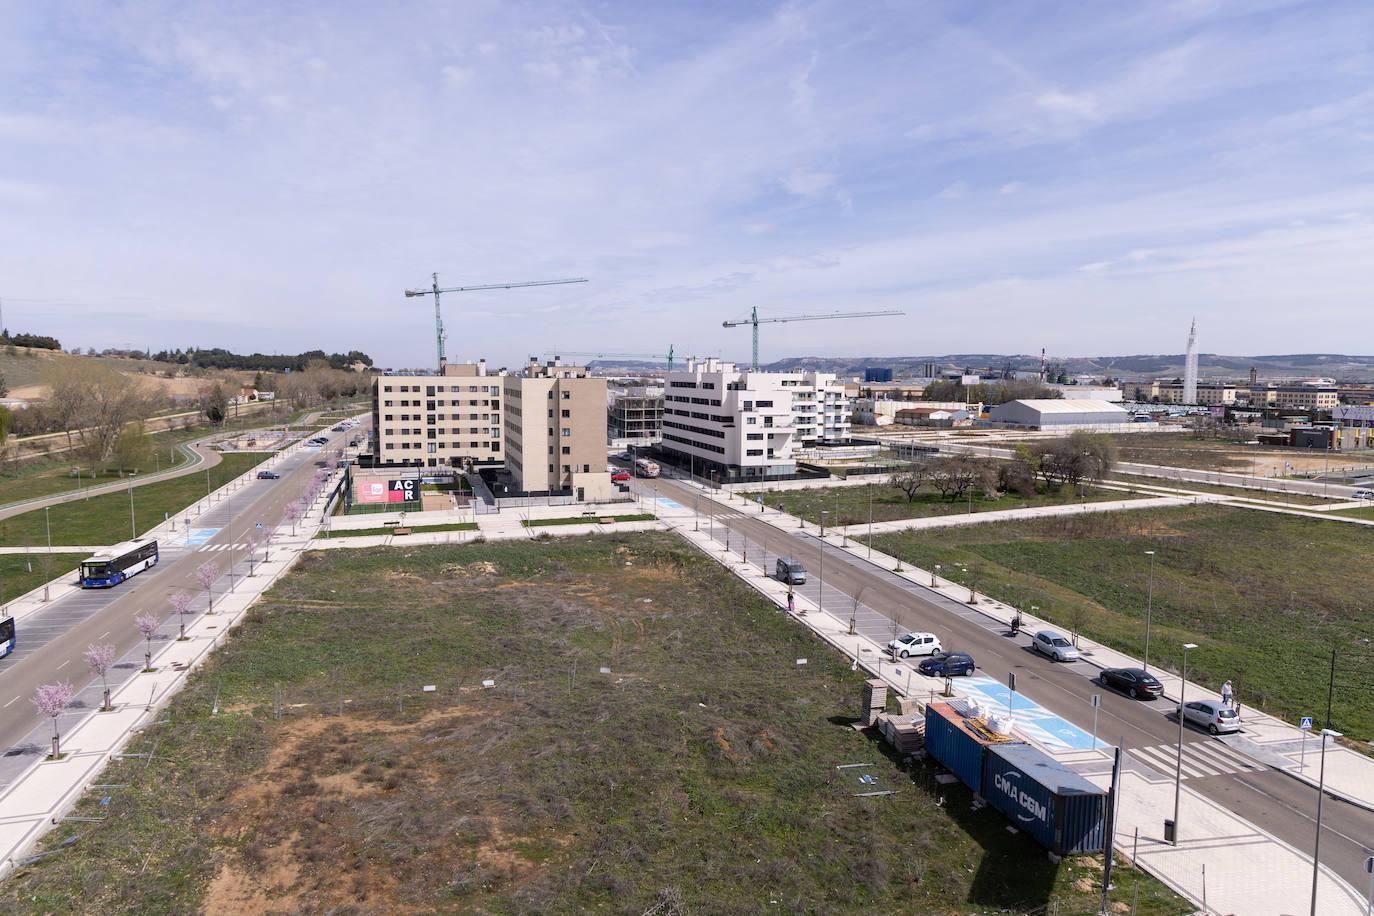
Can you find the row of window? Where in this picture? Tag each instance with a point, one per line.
(406, 417)
(494, 431)
(434, 446)
(431, 389)
(704, 446)
(715, 433)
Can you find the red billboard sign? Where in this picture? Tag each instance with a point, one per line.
(387, 491)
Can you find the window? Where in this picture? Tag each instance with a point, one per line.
(754, 452)
(567, 395)
(567, 449)
(751, 421)
(567, 414)
(567, 469)
(567, 431)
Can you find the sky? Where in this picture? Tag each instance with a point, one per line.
(1085, 178)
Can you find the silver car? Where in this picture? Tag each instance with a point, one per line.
(1048, 642)
(1212, 715)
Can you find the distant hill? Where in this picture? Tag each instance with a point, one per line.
(1334, 365)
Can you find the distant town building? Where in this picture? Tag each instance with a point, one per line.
(1295, 397)
(877, 374)
(883, 412)
(555, 431)
(1206, 394)
(1088, 392)
(736, 423)
(933, 416)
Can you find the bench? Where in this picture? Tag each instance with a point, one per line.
(400, 531)
(392, 524)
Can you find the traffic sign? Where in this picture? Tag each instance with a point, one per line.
(1306, 723)
(1097, 700)
(259, 526)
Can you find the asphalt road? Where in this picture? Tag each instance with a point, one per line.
(60, 658)
(1274, 801)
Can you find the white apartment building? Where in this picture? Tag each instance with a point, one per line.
(736, 423)
(447, 420)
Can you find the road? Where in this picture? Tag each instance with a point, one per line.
(51, 642)
(205, 458)
(1271, 800)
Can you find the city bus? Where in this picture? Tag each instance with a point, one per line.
(113, 565)
(646, 468)
(6, 636)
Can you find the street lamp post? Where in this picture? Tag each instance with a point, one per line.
(1317, 843)
(1178, 765)
(820, 593)
(870, 521)
(824, 513)
(133, 526)
(1149, 607)
(47, 526)
(934, 577)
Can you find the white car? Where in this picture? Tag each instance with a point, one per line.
(1054, 645)
(1364, 493)
(915, 644)
(1212, 715)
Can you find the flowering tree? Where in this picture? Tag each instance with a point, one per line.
(293, 515)
(100, 659)
(206, 574)
(51, 699)
(266, 542)
(252, 545)
(147, 626)
(180, 602)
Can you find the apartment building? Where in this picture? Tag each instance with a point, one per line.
(1295, 397)
(634, 414)
(718, 418)
(555, 423)
(1171, 392)
(452, 419)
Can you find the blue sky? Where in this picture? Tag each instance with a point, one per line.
(1080, 177)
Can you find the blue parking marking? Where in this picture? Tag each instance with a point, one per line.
(1032, 719)
(668, 503)
(201, 535)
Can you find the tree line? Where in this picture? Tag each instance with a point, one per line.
(1078, 459)
(35, 341)
(218, 358)
(989, 393)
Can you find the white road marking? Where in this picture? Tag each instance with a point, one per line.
(103, 635)
(6, 706)
(64, 664)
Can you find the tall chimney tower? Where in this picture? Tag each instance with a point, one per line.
(1190, 367)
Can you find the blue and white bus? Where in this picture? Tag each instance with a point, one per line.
(6, 636)
(113, 565)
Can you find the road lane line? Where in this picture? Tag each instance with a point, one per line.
(1303, 814)
(7, 705)
(64, 664)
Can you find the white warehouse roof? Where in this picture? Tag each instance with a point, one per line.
(1059, 412)
(1070, 405)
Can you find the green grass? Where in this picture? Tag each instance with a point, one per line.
(105, 519)
(1291, 499)
(1183, 450)
(701, 769)
(20, 573)
(1362, 512)
(1265, 596)
(592, 520)
(414, 529)
(848, 505)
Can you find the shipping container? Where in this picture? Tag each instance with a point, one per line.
(1060, 809)
(957, 742)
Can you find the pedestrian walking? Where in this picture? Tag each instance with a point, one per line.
(791, 602)
(1227, 696)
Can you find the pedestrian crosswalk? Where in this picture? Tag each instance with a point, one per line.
(1200, 759)
(210, 548)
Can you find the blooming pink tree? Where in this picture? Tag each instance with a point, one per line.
(100, 659)
(266, 542)
(206, 574)
(147, 626)
(293, 515)
(51, 699)
(181, 601)
(252, 544)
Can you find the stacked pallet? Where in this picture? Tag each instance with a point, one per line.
(875, 700)
(906, 734)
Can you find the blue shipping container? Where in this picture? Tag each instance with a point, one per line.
(949, 740)
(1056, 806)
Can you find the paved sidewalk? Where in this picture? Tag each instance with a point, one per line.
(1032, 512)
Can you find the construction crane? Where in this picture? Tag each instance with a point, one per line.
(755, 321)
(435, 290)
(601, 354)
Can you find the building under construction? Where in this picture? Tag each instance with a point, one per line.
(634, 415)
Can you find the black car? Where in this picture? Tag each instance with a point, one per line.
(947, 664)
(268, 475)
(1137, 682)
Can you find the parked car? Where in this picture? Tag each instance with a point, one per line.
(1136, 682)
(1212, 715)
(947, 664)
(1364, 493)
(268, 475)
(621, 477)
(915, 644)
(1054, 645)
(790, 571)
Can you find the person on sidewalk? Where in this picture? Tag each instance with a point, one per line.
(791, 602)
(1227, 696)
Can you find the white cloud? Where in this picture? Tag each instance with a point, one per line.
(807, 182)
(1011, 187)
(1079, 105)
(455, 76)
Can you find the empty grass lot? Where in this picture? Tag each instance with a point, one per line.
(699, 774)
(1265, 596)
(20, 573)
(414, 529)
(1277, 496)
(1183, 450)
(105, 519)
(848, 505)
